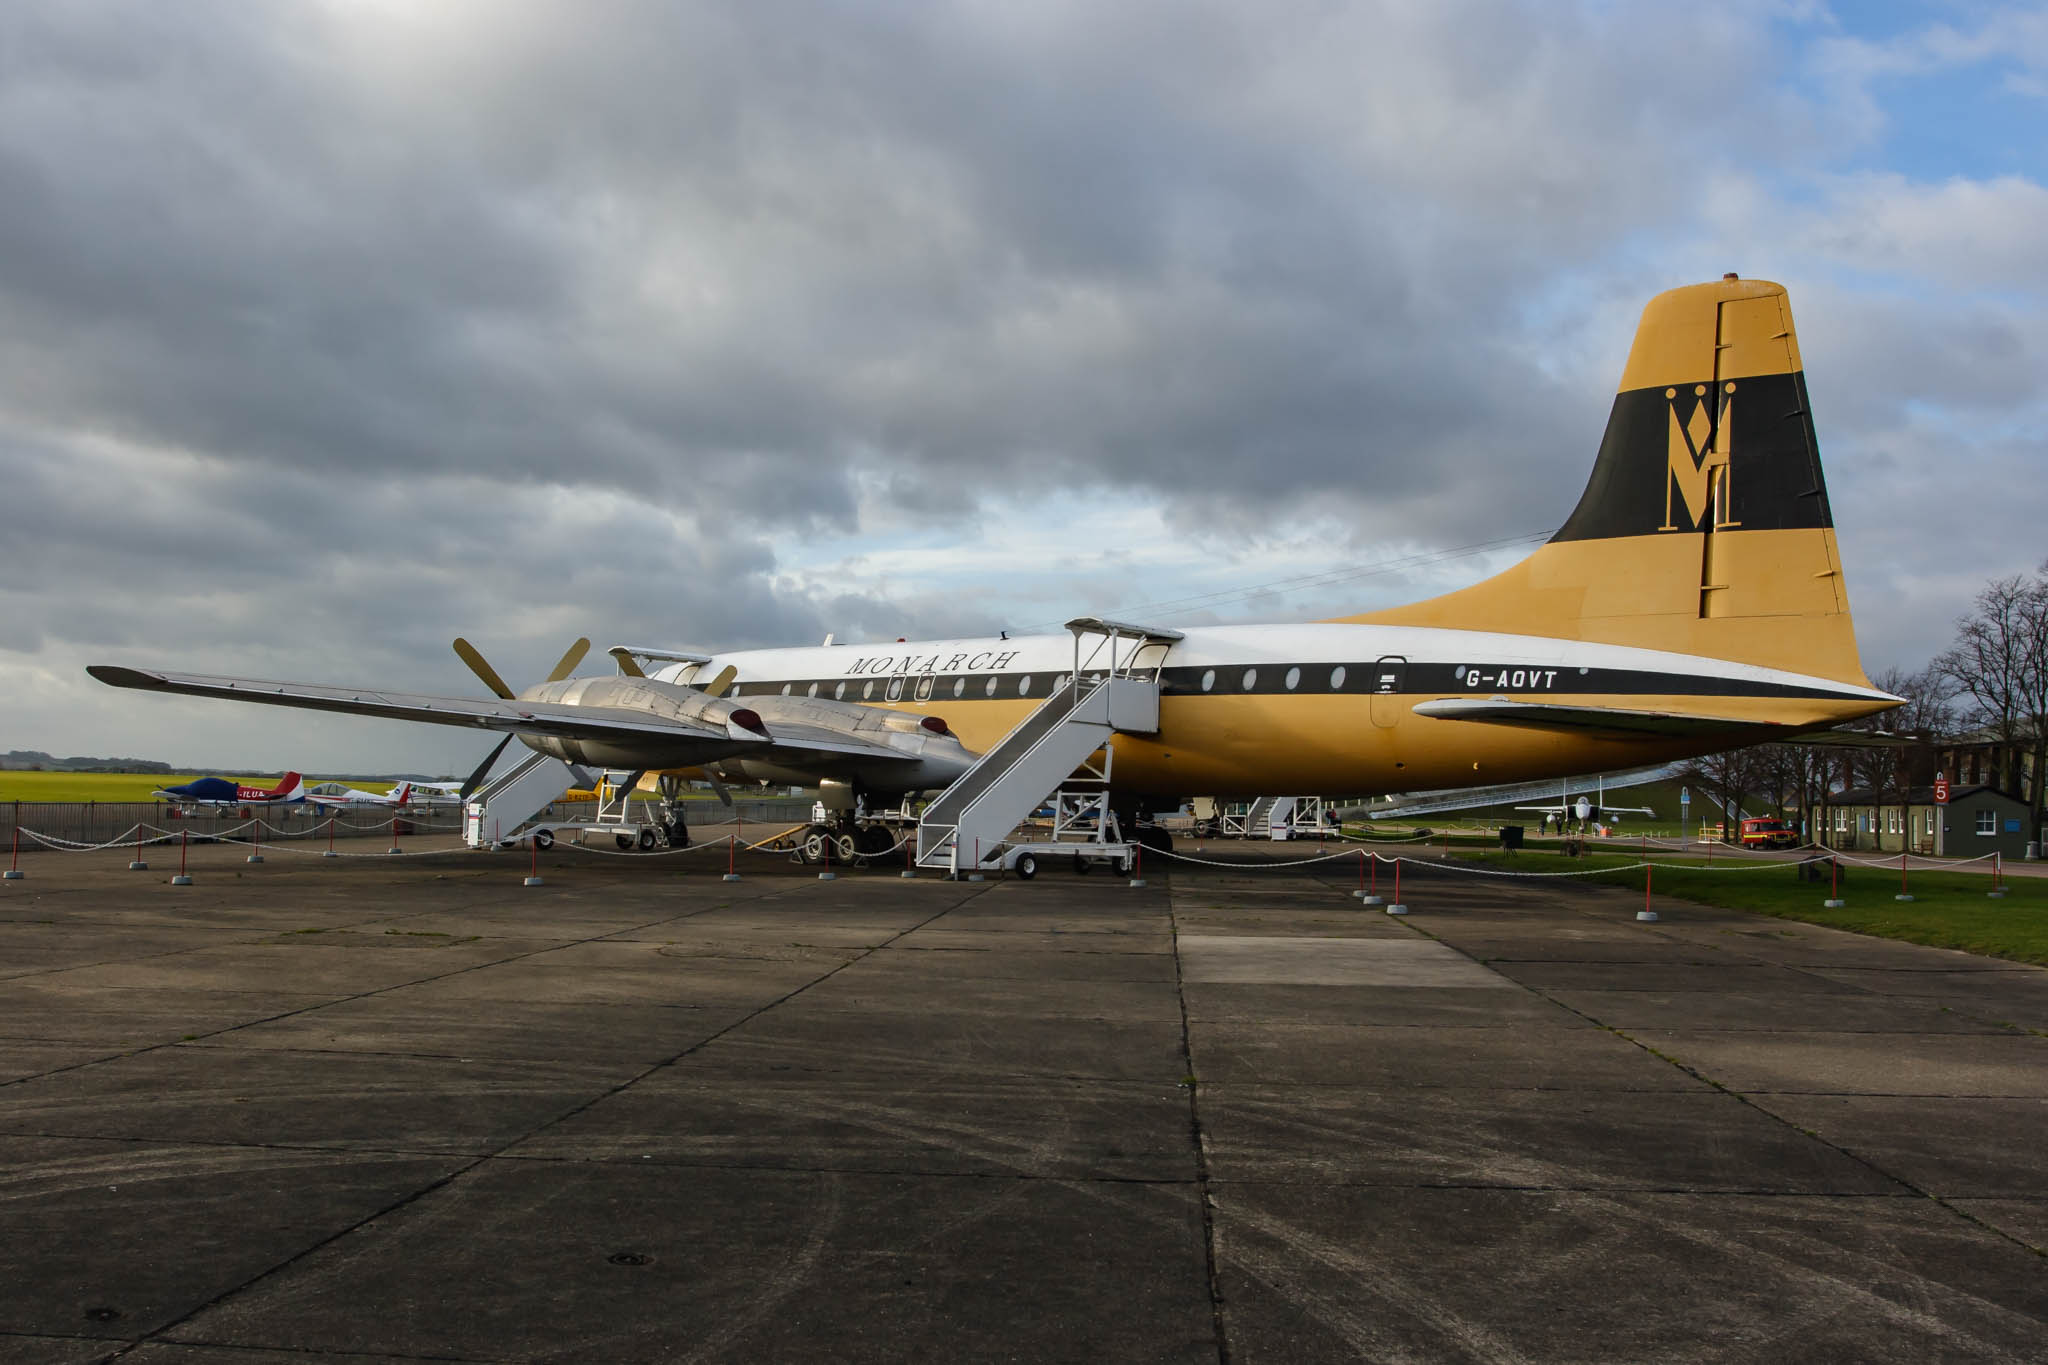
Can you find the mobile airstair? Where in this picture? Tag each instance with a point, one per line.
(1113, 689)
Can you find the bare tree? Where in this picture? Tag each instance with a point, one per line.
(1989, 664)
(2033, 688)
(1728, 778)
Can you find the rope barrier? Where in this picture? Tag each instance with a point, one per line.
(141, 835)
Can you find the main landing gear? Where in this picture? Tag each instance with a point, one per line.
(844, 843)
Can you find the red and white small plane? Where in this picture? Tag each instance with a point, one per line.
(218, 791)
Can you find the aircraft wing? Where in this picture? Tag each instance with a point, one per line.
(789, 740)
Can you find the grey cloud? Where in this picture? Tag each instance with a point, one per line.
(524, 320)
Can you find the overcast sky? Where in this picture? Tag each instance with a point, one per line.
(331, 331)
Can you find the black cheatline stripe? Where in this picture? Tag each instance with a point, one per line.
(1360, 678)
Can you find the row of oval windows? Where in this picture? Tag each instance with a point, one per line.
(1251, 680)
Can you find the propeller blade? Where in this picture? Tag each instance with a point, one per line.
(570, 660)
(476, 779)
(716, 687)
(628, 665)
(467, 652)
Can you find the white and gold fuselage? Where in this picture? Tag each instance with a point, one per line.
(1329, 708)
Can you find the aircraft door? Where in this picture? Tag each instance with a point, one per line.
(1389, 681)
(1149, 659)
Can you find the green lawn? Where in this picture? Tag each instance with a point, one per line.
(28, 786)
(1950, 909)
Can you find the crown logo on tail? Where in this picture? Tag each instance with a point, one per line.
(1697, 455)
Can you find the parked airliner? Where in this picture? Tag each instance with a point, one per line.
(1692, 601)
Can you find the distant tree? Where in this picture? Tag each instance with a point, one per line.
(1728, 778)
(2034, 689)
(1999, 662)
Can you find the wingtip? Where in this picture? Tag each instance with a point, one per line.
(115, 676)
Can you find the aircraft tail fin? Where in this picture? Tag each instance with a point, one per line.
(288, 785)
(1705, 526)
(401, 793)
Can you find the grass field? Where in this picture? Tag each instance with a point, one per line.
(1950, 909)
(25, 786)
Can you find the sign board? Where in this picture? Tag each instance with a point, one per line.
(1685, 796)
(1941, 789)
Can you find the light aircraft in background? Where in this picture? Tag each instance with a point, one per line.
(1584, 809)
(218, 791)
(1692, 602)
(406, 793)
(337, 794)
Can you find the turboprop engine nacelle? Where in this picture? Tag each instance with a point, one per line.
(767, 734)
(935, 755)
(634, 698)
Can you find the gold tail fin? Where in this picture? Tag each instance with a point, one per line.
(1705, 527)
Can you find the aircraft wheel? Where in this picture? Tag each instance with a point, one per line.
(1080, 865)
(647, 841)
(846, 848)
(1027, 866)
(875, 839)
(543, 839)
(817, 848)
(623, 840)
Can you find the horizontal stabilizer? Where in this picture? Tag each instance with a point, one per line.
(1617, 721)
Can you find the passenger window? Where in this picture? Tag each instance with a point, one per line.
(1208, 678)
(1337, 678)
(1251, 678)
(1024, 686)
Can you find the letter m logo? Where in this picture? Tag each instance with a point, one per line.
(1696, 461)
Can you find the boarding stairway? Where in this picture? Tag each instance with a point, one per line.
(497, 810)
(1102, 697)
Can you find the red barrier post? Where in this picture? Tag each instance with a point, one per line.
(14, 866)
(394, 835)
(330, 836)
(1646, 914)
(137, 864)
(533, 861)
(184, 842)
